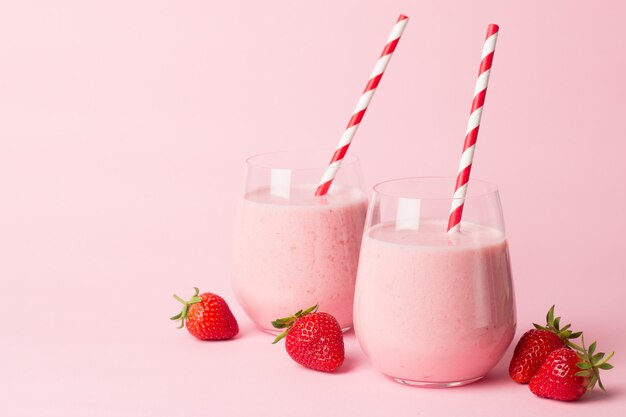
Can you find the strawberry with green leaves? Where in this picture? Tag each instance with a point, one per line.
(567, 374)
(536, 344)
(207, 317)
(313, 339)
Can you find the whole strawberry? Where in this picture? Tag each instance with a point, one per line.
(567, 374)
(536, 344)
(207, 317)
(314, 339)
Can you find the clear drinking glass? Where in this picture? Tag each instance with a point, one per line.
(292, 248)
(433, 308)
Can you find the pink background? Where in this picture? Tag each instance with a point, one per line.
(123, 129)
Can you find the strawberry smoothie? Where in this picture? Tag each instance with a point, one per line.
(296, 251)
(434, 308)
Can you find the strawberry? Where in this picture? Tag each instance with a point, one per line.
(536, 344)
(567, 373)
(207, 317)
(314, 340)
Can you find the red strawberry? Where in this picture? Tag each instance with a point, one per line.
(535, 345)
(567, 374)
(314, 339)
(207, 317)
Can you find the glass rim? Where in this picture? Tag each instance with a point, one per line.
(253, 160)
(493, 188)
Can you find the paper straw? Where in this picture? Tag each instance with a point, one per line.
(480, 91)
(361, 107)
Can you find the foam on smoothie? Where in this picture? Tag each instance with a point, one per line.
(432, 233)
(304, 195)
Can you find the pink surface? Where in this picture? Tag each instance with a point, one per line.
(123, 128)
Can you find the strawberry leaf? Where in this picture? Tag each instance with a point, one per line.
(550, 316)
(278, 324)
(311, 309)
(182, 316)
(597, 357)
(280, 336)
(287, 322)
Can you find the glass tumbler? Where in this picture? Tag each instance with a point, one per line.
(434, 308)
(294, 249)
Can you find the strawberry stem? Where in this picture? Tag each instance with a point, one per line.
(553, 324)
(180, 299)
(591, 364)
(182, 316)
(288, 322)
(605, 360)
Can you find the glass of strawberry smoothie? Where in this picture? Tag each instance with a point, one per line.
(294, 249)
(432, 308)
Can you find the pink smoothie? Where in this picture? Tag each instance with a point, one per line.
(431, 308)
(292, 253)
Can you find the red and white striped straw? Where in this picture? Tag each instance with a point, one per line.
(361, 106)
(480, 91)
